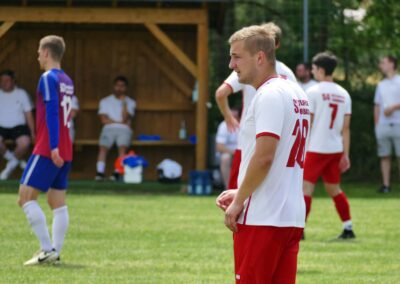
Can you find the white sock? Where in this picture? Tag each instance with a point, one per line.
(60, 226)
(348, 225)
(37, 220)
(101, 167)
(8, 155)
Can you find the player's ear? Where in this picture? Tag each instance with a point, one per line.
(260, 57)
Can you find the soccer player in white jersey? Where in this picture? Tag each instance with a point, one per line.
(267, 212)
(232, 85)
(328, 148)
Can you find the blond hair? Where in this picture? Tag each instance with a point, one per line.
(55, 44)
(276, 31)
(256, 38)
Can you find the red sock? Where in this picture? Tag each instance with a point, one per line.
(308, 200)
(342, 206)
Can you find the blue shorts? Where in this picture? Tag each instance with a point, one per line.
(41, 173)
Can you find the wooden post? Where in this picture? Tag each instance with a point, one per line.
(5, 27)
(201, 111)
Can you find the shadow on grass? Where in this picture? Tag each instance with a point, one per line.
(308, 272)
(352, 189)
(70, 266)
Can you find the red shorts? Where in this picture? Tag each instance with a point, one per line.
(325, 165)
(266, 254)
(233, 177)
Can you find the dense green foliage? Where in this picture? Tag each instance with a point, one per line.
(357, 43)
(126, 234)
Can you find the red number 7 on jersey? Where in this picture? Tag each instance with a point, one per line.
(298, 149)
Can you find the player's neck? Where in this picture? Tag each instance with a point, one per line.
(327, 79)
(264, 77)
(52, 65)
(391, 74)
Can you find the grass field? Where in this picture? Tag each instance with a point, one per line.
(153, 234)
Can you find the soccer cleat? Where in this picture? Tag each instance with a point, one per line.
(57, 261)
(384, 189)
(43, 257)
(99, 177)
(346, 235)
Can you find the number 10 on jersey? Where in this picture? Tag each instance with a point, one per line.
(298, 149)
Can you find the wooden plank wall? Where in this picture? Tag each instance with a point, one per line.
(95, 55)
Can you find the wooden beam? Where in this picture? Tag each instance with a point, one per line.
(201, 108)
(5, 27)
(173, 48)
(166, 70)
(101, 15)
(6, 52)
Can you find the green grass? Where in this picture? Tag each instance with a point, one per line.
(155, 234)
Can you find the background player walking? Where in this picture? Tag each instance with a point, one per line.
(329, 144)
(49, 165)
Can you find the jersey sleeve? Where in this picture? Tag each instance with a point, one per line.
(26, 102)
(269, 114)
(103, 107)
(131, 107)
(378, 98)
(233, 82)
(222, 137)
(348, 104)
(75, 103)
(48, 86)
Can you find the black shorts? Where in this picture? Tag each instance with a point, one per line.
(15, 132)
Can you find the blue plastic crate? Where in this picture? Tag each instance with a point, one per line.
(200, 183)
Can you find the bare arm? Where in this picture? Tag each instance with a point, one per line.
(31, 123)
(377, 110)
(105, 119)
(221, 97)
(257, 170)
(125, 114)
(391, 109)
(345, 161)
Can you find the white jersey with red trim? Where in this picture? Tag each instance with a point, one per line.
(329, 103)
(249, 91)
(283, 70)
(280, 110)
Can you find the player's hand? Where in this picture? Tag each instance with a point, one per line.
(232, 215)
(225, 199)
(56, 158)
(232, 123)
(389, 110)
(344, 163)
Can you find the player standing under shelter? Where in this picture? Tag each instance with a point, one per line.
(232, 85)
(329, 144)
(49, 165)
(387, 118)
(266, 213)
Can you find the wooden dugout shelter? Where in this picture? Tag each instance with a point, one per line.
(160, 46)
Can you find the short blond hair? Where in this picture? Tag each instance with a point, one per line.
(276, 31)
(55, 44)
(256, 38)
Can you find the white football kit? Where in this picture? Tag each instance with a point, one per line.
(329, 103)
(279, 109)
(249, 91)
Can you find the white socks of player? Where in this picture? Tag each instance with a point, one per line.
(348, 225)
(37, 220)
(101, 167)
(60, 226)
